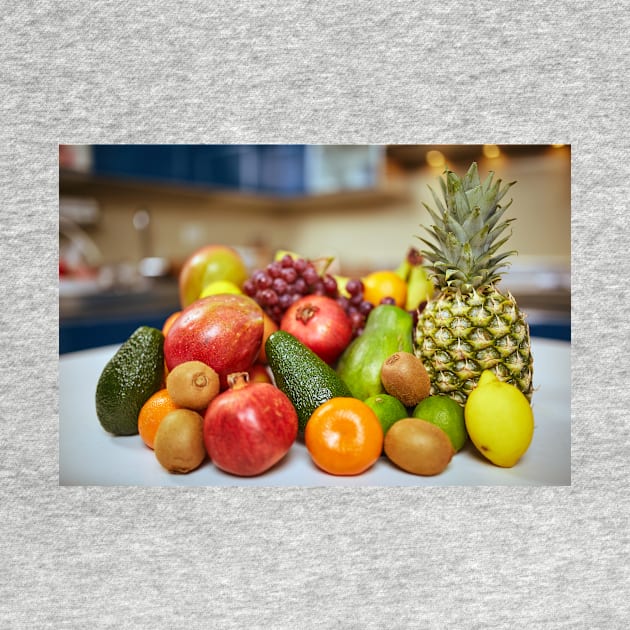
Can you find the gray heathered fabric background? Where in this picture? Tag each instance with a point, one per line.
(422, 72)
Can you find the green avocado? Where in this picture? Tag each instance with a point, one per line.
(131, 376)
(299, 373)
(388, 329)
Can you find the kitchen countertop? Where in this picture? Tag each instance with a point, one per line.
(146, 296)
(90, 456)
(100, 318)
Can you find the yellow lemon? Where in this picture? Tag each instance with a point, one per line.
(220, 286)
(499, 420)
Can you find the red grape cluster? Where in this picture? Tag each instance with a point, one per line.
(283, 282)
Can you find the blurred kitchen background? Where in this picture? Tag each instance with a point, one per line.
(129, 215)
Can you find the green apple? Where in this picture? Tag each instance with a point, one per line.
(206, 265)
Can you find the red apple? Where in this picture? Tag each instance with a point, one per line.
(223, 331)
(249, 428)
(206, 265)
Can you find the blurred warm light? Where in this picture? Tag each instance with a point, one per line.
(435, 159)
(557, 146)
(491, 151)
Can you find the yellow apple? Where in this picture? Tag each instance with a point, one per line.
(206, 265)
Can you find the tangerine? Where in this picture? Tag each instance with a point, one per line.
(269, 326)
(169, 322)
(152, 413)
(384, 284)
(344, 436)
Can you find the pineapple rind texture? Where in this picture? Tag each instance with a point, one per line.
(456, 349)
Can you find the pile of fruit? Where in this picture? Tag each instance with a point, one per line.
(405, 364)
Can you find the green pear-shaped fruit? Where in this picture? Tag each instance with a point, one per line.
(388, 329)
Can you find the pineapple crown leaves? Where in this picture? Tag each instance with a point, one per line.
(466, 231)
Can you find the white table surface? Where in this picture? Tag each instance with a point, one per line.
(89, 456)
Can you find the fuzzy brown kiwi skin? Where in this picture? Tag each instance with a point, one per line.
(179, 445)
(192, 385)
(404, 376)
(418, 447)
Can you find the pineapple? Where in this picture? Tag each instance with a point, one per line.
(469, 325)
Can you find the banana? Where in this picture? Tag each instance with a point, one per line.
(412, 259)
(341, 284)
(321, 264)
(403, 269)
(419, 287)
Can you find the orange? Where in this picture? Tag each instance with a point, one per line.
(152, 413)
(382, 284)
(165, 328)
(344, 436)
(269, 326)
(258, 373)
(169, 322)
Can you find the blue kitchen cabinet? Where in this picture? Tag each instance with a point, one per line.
(269, 169)
(289, 170)
(93, 333)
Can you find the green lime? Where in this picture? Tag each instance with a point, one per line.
(445, 413)
(387, 409)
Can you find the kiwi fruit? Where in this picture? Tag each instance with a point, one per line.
(179, 445)
(404, 376)
(192, 385)
(418, 447)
